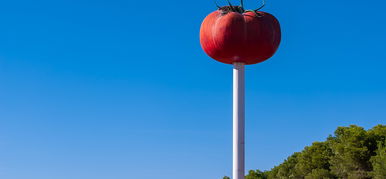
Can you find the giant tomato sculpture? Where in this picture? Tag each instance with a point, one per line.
(232, 34)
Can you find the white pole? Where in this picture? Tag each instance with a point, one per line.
(238, 121)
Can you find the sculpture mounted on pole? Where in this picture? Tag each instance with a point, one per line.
(233, 35)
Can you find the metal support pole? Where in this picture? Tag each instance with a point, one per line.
(238, 121)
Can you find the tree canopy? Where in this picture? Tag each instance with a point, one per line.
(351, 153)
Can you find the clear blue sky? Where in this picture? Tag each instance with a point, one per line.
(97, 89)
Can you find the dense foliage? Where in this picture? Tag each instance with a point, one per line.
(352, 153)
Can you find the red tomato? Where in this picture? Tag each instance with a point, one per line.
(232, 36)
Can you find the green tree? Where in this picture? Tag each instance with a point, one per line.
(256, 174)
(351, 156)
(273, 172)
(287, 168)
(379, 162)
(352, 153)
(314, 160)
(375, 135)
(319, 174)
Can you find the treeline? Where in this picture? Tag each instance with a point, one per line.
(351, 153)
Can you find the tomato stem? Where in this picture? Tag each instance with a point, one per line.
(261, 6)
(239, 9)
(231, 6)
(215, 2)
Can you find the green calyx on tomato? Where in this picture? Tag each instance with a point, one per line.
(239, 9)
